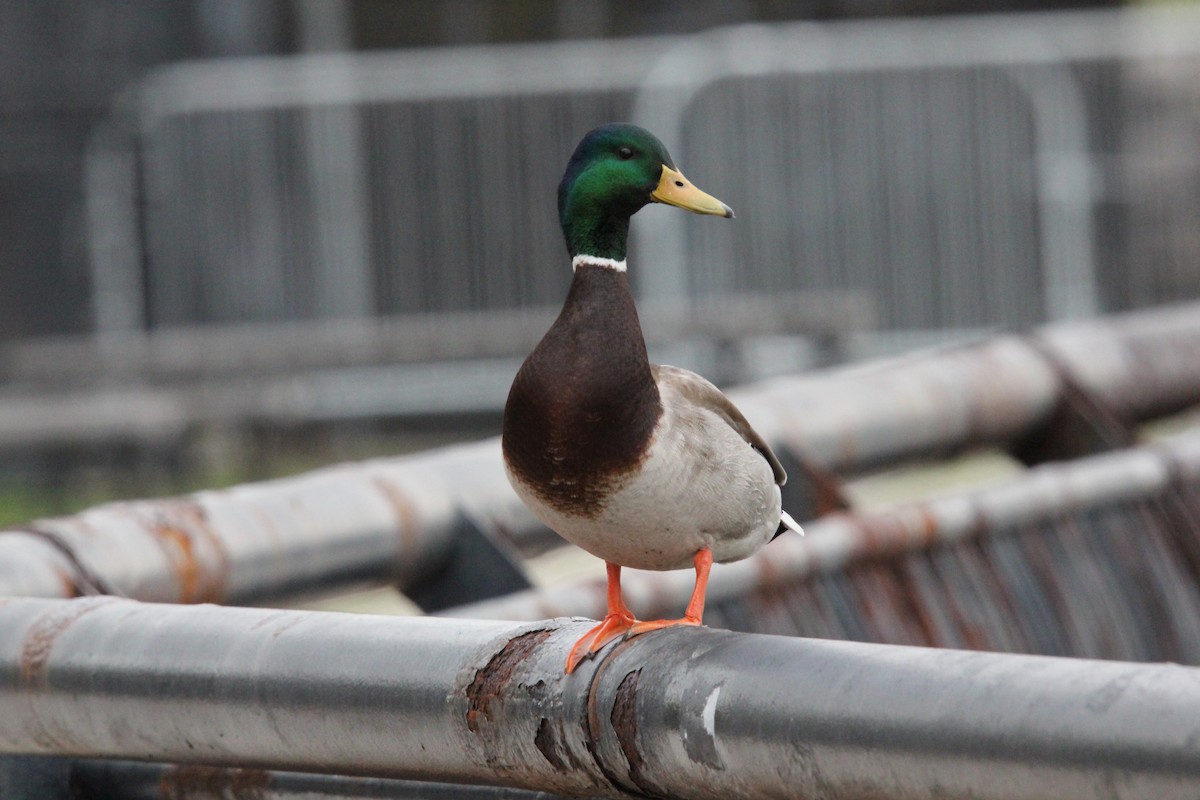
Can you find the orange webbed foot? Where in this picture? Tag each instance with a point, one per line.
(659, 624)
(620, 620)
(695, 611)
(611, 627)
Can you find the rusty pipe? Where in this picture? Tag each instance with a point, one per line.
(689, 713)
(1139, 365)
(374, 521)
(856, 417)
(33, 566)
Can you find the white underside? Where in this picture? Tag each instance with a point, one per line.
(701, 485)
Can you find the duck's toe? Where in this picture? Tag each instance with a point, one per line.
(658, 624)
(611, 627)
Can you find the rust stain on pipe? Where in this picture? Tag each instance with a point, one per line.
(218, 579)
(765, 569)
(84, 581)
(931, 532)
(408, 524)
(177, 544)
(180, 525)
(194, 782)
(491, 680)
(884, 536)
(45, 630)
(67, 581)
(871, 536)
(550, 740)
(625, 726)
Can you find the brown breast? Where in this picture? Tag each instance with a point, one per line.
(582, 409)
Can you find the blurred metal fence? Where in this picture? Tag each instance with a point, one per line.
(344, 185)
(959, 172)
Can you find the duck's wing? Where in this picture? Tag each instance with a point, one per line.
(701, 392)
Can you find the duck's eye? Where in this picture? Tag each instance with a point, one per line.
(625, 153)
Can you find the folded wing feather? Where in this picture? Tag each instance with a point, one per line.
(700, 391)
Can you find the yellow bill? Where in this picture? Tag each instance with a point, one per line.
(675, 190)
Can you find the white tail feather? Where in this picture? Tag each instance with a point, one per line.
(790, 523)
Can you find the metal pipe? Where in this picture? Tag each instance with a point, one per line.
(373, 520)
(865, 415)
(840, 540)
(1136, 364)
(689, 713)
(32, 566)
(1139, 365)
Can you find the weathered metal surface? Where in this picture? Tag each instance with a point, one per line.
(862, 416)
(30, 565)
(1097, 557)
(687, 713)
(1140, 365)
(356, 522)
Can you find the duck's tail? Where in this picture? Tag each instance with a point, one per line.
(786, 523)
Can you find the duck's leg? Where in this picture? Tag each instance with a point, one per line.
(695, 607)
(618, 620)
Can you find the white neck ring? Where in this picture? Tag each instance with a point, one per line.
(597, 261)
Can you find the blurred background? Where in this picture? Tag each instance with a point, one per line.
(241, 238)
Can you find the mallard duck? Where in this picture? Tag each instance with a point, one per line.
(643, 465)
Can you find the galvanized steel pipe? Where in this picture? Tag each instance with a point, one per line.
(688, 713)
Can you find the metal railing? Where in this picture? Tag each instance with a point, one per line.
(255, 149)
(913, 161)
(887, 114)
(681, 713)
(397, 520)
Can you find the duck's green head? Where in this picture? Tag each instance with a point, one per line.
(614, 171)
